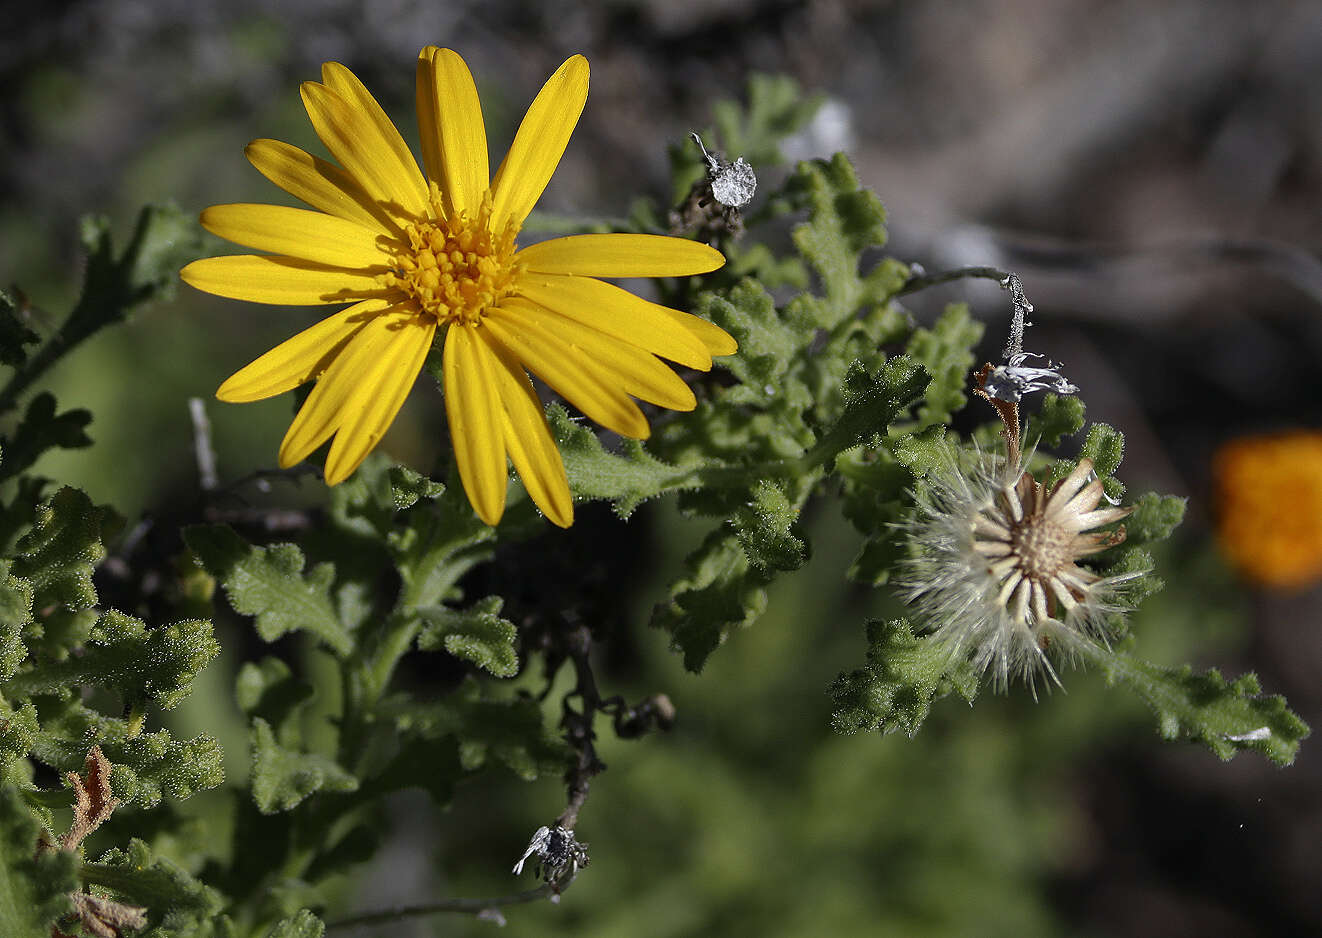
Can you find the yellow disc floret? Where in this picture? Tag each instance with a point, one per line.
(454, 268)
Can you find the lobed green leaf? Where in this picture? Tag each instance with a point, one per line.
(58, 555)
(176, 902)
(269, 584)
(475, 634)
(124, 655)
(282, 778)
(1226, 716)
(905, 673)
(34, 883)
(40, 430)
(509, 730)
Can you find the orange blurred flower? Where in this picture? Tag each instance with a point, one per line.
(1269, 496)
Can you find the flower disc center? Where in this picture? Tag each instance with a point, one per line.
(1042, 546)
(454, 268)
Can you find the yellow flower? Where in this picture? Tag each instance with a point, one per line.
(1269, 494)
(420, 255)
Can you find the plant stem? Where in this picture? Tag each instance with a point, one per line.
(469, 906)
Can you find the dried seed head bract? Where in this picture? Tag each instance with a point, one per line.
(714, 202)
(994, 571)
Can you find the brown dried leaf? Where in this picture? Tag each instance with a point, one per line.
(106, 918)
(93, 801)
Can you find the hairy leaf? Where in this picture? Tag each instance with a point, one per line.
(871, 403)
(627, 479)
(302, 925)
(282, 778)
(175, 901)
(15, 613)
(904, 674)
(63, 548)
(1057, 417)
(269, 583)
(946, 352)
(763, 528)
(477, 634)
(844, 220)
(34, 884)
(720, 592)
(123, 654)
(1226, 716)
(508, 730)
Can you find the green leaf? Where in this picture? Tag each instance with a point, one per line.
(1154, 518)
(763, 528)
(63, 548)
(163, 240)
(1058, 417)
(923, 452)
(18, 733)
(40, 430)
(844, 220)
(147, 766)
(407, 487)
(475, 634)
(946, 352)
(302, 925)
(14, 332)
(720, 592)
(34, 885)
(270, 690)
(1105, 446)
(123, 654)
(435, 544)
(871, 403)
(896, 689)
(627, 478)
(509, 730)
(175, 901)
(283, 778)
(268, 583)
(15, 613)
(1226, 716)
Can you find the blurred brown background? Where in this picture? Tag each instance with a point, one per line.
(1152, 170)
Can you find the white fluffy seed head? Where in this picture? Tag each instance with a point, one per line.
(993, 571)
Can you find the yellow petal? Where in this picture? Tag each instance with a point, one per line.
(476, 423)
(539, 144)
(528, 439)
(616, 312)
(632, 369)
(297, 232)
(621, 255)
(429, 124)
(355, 139)
(402, 165)
(713, 338)
(328, 404)
(554, 361)
(320, 184)
(299, 359)
(381, 393)
(453, 121)
(283, 280)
